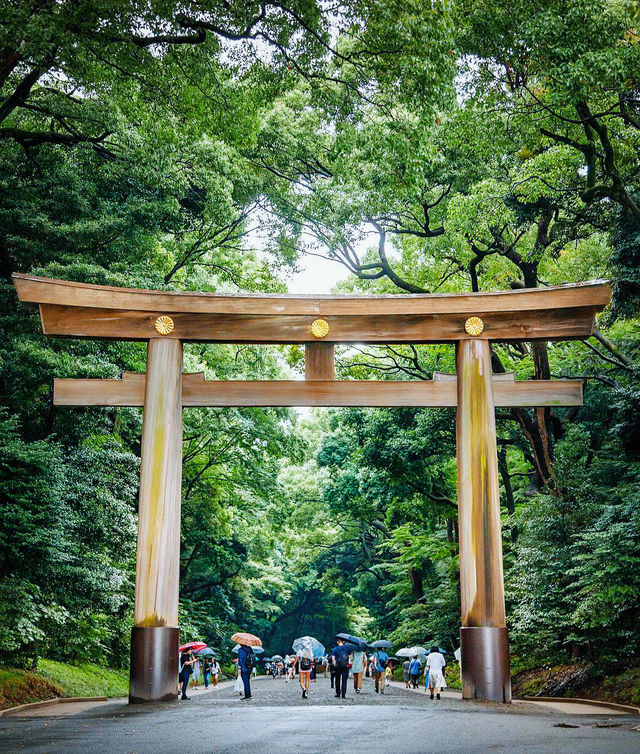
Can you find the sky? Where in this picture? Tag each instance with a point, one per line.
(316, 275)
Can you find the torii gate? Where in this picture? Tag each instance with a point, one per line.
(166, 319)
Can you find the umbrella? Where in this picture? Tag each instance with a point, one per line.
(309, 643)
(256, 650)
(380, 644)
(394, 661)
(195, 645)
(277, 657)
(412, 651)
(206, 652)
(360, 643)
(248, 640)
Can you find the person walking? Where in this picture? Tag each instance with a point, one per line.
(435, 669)
(414, 671)
(246, 663)
(379, 665)
(388, 674)
(406, 675)
(305, 662)
(206, 671)
(340, 660)
(197, 667)
(186, 669)
(359, 660)
(215, 671)
(332, 670)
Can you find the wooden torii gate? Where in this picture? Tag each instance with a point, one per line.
(166, 319)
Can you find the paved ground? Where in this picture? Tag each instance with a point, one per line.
(278, 720)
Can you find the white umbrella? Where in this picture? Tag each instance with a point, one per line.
(412, 652)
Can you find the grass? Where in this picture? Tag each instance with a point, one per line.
(622, 687)
(57, 679)
(86, 679)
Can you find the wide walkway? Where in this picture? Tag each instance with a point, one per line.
(278, 720)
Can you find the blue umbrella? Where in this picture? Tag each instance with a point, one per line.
(206, 652)
(361, 644)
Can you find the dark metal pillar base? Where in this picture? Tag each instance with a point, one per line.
(153, 674)
(485, 664)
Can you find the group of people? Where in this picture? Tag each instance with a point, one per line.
(192, 665)
(344, 659)
(343, 656)
(433, 673)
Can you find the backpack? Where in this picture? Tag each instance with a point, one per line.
(305, 663)
(342, 660)
(249, 659)
(382, 663)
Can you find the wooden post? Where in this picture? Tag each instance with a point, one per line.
(319, 361)
(154, 637)
(483, 636)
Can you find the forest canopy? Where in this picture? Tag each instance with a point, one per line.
(440, 146)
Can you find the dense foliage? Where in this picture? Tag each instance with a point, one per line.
(425, 146)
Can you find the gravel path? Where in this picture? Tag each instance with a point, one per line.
(276, 692)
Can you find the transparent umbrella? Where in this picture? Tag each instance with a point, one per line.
(412, 652)
(308, 644)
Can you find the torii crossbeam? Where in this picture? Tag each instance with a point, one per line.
(166, 319)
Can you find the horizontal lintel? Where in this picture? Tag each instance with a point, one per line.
(196, 391)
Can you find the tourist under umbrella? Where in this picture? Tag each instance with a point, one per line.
(246, 658)
(304, 659)
(379, 663)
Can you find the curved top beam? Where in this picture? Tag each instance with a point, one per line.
(99, 311)
(39, 290)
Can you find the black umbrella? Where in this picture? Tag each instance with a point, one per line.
(380, 644)
(360, 643)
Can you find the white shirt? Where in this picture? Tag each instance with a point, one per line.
(435, 662)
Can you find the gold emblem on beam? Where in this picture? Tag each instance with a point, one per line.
(319, 328)
(164, 325)
(474, 326)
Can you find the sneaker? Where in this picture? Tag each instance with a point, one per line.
(245, 698)
(337, 696)
(343, 696)
(437, 696)
(431, 697)
(185, 697)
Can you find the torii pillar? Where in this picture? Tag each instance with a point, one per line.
(155, 635)
(484, 642)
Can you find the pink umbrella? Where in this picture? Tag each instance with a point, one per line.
(195, 645)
